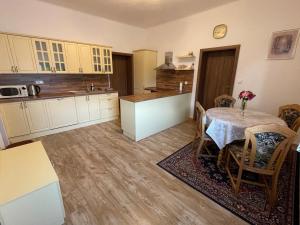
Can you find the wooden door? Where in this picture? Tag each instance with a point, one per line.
(217, 69)
(85, 58)
(14, 118)
(23, 54)
(36, 112)
(82, 107)
(62, 112)
(122, 77)
(73, 64)
(58, 56)
(42, 55)
(6, 62)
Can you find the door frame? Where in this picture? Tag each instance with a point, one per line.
(200, 74)
(130, 78)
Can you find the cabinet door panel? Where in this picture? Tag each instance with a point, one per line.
(22, 53)
(107, 60)
(14, 118)
(62, 112)
(94, 107)
(97, 59)
(109, 113)
(85, 58)
(73, 64)
(42, 55)
(6, 62)
(36, 112)
(58, 54)
(82, 107)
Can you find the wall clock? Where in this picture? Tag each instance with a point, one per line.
(220, 31)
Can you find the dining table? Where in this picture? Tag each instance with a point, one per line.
(226, 125)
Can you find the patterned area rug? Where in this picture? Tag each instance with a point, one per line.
(204, 176)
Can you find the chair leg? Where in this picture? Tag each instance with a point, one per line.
(199, 149)
(273, 197)
(220, 156)
(238, 181)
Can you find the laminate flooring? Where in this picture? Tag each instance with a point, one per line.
(107, 179)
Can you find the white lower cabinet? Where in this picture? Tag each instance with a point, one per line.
(94, 107)
(62, 112)
(37, 115)
(82, 107)
(14, 118)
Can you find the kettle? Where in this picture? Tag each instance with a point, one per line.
(33, 90)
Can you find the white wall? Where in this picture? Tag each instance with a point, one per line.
(250, 23)
(42, 19)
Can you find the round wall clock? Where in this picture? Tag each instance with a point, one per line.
(220, 31)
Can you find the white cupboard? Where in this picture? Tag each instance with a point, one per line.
(14, 118)
(6, 62)
(37, 116)
(94, 107)
(62, 112)
(85, 58)
(82, 107)
(72, 57)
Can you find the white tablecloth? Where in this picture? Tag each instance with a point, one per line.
(226, 125)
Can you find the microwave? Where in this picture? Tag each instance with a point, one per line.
(13, 91)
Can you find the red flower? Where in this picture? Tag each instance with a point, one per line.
(246, 95)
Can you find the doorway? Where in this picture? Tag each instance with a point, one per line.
(122, 78)
(216, 73)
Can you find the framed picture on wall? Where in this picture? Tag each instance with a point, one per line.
(283, 44)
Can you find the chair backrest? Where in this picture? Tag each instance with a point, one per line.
(224, 101)
(269, 146)
(200, 115)
(296, 125)
(289, 113)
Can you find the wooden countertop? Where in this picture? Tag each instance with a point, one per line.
(55, 95)
(153, 95)
(24, 169)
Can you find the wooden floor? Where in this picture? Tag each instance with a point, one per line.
(108, 179)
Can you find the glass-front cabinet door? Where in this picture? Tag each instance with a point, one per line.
(97, 59)
(107, 61)
(42, 55)
(58, 57)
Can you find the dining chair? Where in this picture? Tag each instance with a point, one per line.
(264, 151)
(225, 101)
(289, 113)
(200, 134)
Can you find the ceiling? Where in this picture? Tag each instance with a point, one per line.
(141, 13)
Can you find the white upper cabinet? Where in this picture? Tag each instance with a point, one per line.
(6, 62)
(85, 58)
(58, 55)
(107, 61)
(73, 63)
(97, 59)
(22, 54)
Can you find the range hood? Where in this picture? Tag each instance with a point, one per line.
(168, 65)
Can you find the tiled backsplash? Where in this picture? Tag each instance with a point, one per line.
(55, 83)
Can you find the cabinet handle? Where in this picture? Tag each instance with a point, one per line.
(25, 105)
(16, 69)
(12, 69)
(86, 98)
(59, 99)
(54, 69)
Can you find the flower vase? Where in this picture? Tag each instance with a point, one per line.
(243, 107)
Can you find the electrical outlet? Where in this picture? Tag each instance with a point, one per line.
(39, 82)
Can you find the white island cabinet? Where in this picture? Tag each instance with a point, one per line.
(147, 114)
(29, 188)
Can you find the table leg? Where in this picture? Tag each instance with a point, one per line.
(220, 157)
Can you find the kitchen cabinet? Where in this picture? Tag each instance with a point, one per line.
(82, 107)
(72, 56)
(6, 62)
(14, 118)
(37, 116)
(107, 60)
(97, 59)
(109, 105)
(145, 62)
(22, 54)
(62, 112)
(94, 107)
(49, 56)
(85, 58)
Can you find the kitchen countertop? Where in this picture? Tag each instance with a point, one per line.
(160, 93)
(55, 95)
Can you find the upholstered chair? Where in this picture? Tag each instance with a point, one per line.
(200, 135)
(224, 101)
(263, 153)
(289, 113)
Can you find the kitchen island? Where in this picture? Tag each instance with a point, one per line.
(147, 114)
